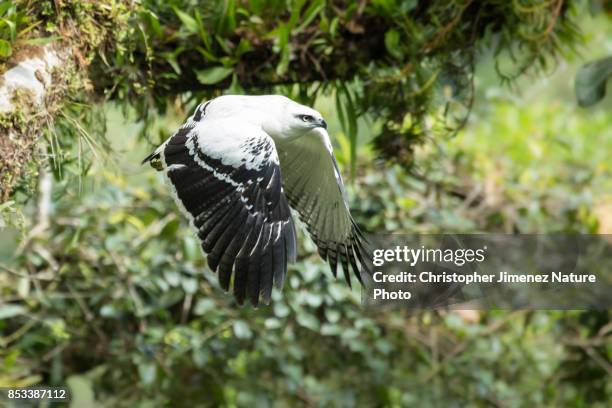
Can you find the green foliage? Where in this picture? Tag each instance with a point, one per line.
(18, 29)
(12, 24)
(407, 64)
(115, 299)
(423, 73)
(591, 81)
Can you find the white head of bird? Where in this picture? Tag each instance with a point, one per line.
(279, 116)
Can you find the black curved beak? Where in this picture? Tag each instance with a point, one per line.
(322, 123)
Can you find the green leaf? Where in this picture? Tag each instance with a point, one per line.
(225, 44)
(5, 49)
(313, 11)
(203, 34)
(347, 115)
(333, 27)
(296, 7)
(191, 248)
(109, 311)
(242, 330)
(272, 323)
(204, 306)
(9, 310)
(6, 204)
(189, 22)
(392, 43)
(5, 6)
(284, 48)
(590, 84)
(12, 28)
(235, 88)
(147, 373)
(153, 22)
(228, 20)
(243, 47)
(213, 75)
(172, 277)
(190, 285)
(42, 40)
(307, 320)
(207, 54)
(81, 392)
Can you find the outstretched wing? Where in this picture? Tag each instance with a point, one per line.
(314, 187)
(226, 178)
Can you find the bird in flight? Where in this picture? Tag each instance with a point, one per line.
(237, 167)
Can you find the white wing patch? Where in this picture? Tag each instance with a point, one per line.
(235, 144)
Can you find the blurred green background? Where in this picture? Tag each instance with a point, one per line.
(115, 299)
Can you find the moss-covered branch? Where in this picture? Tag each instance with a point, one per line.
(405, 62)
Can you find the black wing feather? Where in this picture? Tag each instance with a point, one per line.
(266, 276)
(222, 246)
(254, 275)
(243, 259)
(240, 212)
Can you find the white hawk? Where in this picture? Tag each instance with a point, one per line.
(236, 167)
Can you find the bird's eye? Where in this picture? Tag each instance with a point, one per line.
(306, 118)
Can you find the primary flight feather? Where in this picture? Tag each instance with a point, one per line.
(236, 167)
